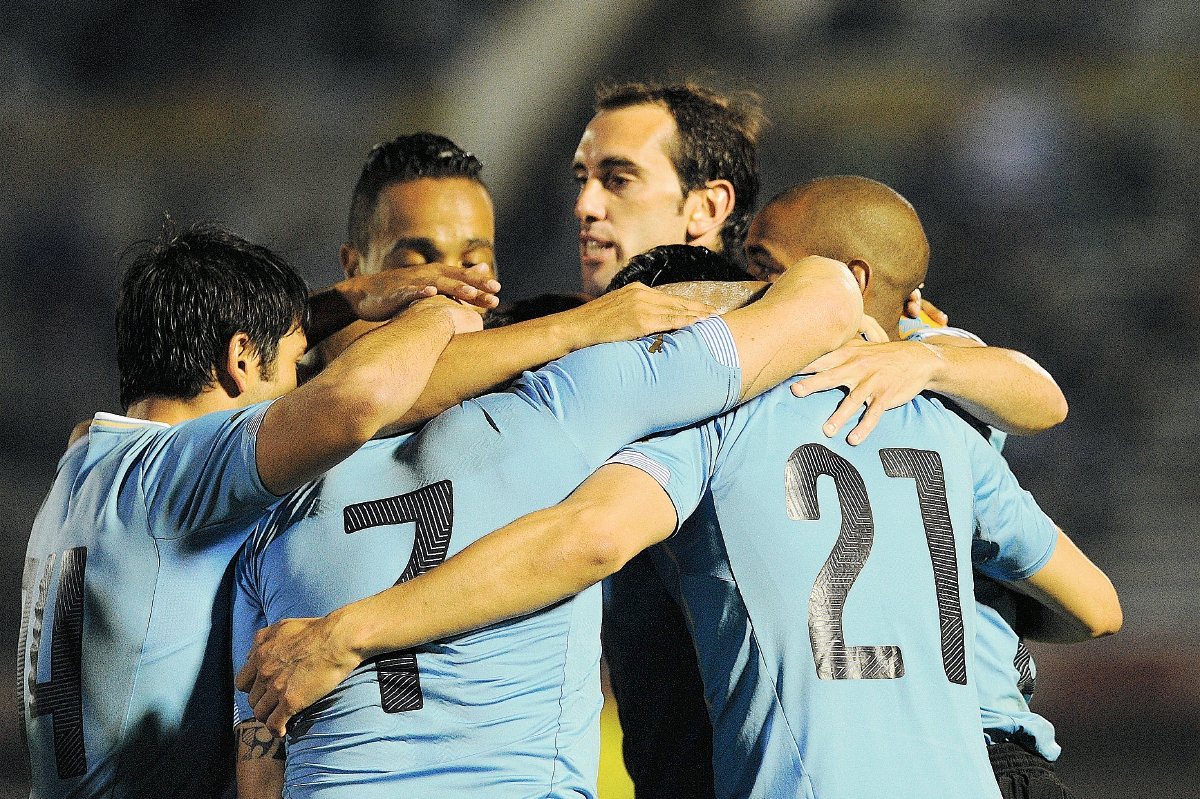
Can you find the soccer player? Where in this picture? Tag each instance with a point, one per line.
(674, 164)
(878, 233)
(513, 710)
(124, 629)
(832, 216)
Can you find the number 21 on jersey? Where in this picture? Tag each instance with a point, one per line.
(834, 660)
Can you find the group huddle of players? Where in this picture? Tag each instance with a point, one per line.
(401, 559)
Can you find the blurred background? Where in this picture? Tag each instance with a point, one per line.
(1052, 149)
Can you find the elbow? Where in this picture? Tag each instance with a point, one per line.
(1059, 410)
(1108, 622)
(363, 406)
(842, 305)
(602, 549)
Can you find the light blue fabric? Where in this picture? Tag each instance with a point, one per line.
(511, 710)
(137, 533)
(774, 718)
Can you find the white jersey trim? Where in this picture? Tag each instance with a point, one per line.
(113, 420)
(929, 332)
(637, 460)
(716, 335)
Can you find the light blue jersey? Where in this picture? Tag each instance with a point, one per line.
(837, 651)
(1006, 673)
(125, 607)
(511, 710)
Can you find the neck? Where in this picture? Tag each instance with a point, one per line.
(173, 411)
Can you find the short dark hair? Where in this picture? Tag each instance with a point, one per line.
(510, 313)
(404, 158)
(677, 263)
(186, 295)
(717, 140)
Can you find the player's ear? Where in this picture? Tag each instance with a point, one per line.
(708, 208)
(241, 357)
(351, 258)
(862, 273)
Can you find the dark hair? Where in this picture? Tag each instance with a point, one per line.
(404, 158)
(677, 263)
(186, 295)
(532, 308)
(717, 140)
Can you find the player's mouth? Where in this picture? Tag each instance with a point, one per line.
(596, 251)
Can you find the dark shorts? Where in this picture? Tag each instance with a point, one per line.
(1022, 774)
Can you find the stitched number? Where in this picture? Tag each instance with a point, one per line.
(62, 697)
(835, 660)
(432, 508)
(925, 467)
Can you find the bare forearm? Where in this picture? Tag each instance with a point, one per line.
(374, 382)
(813, 309)
(1000, 387)
(519, 569)
(261, 758)
(476, 363)
(1077, 600)
(527, 565)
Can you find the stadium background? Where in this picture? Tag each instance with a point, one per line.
(1052, 149)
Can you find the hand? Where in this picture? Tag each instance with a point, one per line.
(871, 330)
(634, 311)
(880, 376)
(293, 664)
(378, 297)
(914, 305)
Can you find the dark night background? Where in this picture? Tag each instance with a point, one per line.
(1051, 148)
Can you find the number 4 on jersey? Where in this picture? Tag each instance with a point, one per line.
(432, 508)
(62, 696)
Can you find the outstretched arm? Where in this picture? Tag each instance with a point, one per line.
(476, 363)
(1000, 387)
(1075, 601)
(813, 308)
(374, 382)
(531, 563)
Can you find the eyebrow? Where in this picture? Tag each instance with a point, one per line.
(430, 251)
(611, 163)
(419, 244)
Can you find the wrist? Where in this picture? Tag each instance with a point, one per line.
(348, 636)
(937, 366)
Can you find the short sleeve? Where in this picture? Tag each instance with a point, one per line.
(608, 395)
(248, 618)
(682, 463)
(204, 472)
(920, 330)
(1014, 538)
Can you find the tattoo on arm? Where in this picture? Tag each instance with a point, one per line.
(255, 742)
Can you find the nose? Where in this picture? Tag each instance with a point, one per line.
(589, 206)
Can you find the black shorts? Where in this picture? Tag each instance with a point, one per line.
(1022, 774)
